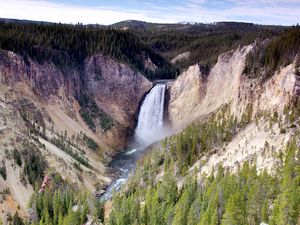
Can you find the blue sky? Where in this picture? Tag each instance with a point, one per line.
(107, 12)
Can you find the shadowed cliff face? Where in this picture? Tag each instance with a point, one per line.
(39, 103)
(44, 79)
(115, 87)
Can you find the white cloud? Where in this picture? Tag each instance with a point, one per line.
(189, 10)
(54, 12)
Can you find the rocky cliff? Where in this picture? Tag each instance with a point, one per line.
(40, 108)
(117, 88)
(226, 84)
(194, 97)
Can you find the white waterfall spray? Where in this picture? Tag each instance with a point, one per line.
(150, 128)
(150, 121)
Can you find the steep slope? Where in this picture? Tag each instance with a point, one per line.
(226, 84)
(40, 108)
(235, 156)
(118, 89)
(194, 97)
(186, 94)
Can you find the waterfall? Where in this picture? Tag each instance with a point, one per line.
(150, 121)
(150, 128)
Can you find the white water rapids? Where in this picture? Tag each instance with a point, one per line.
(150, 128)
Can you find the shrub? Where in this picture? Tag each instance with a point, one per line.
(3, 171)
(90, 142)
(34, 166)
(17, 157)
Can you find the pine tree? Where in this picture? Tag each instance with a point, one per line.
(195, 210)
(56, 207)
(184, 203)
(234, 211)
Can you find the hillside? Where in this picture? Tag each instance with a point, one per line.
(67, 46)
(62, 111)
(237, 162)
(70, 96)
(204, 42)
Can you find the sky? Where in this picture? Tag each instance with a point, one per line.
(279, 12)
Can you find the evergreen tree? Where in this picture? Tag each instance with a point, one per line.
(234, 211)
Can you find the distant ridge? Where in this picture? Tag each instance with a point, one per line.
(143, 25)
(8, 20)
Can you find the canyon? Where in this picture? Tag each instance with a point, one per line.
(46, 107)
(195, 96)
(47, 97)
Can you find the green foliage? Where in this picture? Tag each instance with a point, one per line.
(271, 55)
(87, 118)
(66, 147)
(243, 198)
(90, 142)
(287, 204)
(3, 170)
(234, 210)
(184, 203)
(59, 204)
(204, 41)
(17, 220)
(91, 113)
(34, 165)
(17, 157)
(197, 139)
(292, 112)
(68, 46)
(77, 166)
(247, 197)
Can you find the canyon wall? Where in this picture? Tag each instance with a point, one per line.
(195, 96)
(116, 88)
(39, 104)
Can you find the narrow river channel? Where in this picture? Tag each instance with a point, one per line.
(150, 128)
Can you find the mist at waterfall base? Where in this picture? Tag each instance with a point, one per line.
(150, 128)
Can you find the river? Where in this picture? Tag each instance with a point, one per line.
(150, 128)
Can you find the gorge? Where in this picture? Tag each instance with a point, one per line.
(150, 128)
(211, 137)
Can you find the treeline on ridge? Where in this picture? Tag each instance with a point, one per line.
(270, 55)
(204, 41)
(69, 45)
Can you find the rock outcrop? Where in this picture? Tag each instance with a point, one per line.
(38, 104)
(226, 84)
(117, 88)
(193, 97)
(186, 94)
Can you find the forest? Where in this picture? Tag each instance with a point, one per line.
(204, 41)
(228, 199)
(59, 204)
(222, 197)
(274, 53)
(248, 196)
(68, 46)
